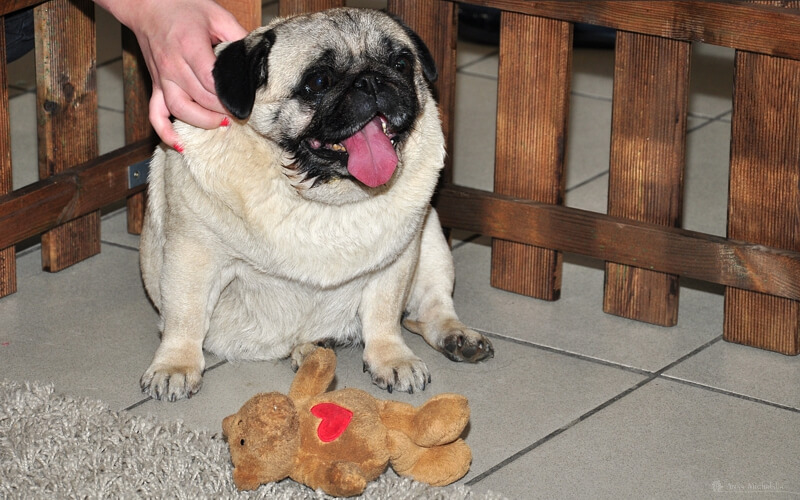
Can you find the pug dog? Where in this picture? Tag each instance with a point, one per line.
(308, 218)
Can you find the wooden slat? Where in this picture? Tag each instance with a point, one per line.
(658, 248)
(9, 6)
(66, 89)
(532, 111)
(49, 202)
(648, 149)
(292, 7)
(737, 24)
(435, 23)
(247, 12)
(764, 193)
(8, 263)
(136, 88)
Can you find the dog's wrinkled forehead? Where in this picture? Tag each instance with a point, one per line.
(349, 41)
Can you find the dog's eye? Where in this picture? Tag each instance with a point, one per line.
(318, 83)
(404, 64)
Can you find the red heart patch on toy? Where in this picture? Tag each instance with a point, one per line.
(335, 420)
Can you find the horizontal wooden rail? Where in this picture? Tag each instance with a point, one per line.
(648, 246)
(741, 25)
(9, 6)
(43, 205)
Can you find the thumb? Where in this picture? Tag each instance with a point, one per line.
(227, 28)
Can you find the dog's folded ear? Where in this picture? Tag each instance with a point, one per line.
(241, 68)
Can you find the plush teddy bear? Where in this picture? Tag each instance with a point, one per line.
(339, 441)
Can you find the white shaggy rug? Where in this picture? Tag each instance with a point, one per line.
(53, 446)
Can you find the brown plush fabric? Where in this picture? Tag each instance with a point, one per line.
(274, 436)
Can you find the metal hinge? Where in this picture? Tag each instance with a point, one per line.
(137, 173)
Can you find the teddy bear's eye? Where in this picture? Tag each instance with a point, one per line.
(241, 442)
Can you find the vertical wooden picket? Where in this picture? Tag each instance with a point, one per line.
(532, 112)
(66, 91)
(425, 18)
(291, 7)
(648, 149)
(764, 192)
(8, 262)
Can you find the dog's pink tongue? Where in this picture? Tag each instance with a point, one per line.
(371, 156)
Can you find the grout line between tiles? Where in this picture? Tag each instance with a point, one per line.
(557, 432)
(119, 245)
(477, 75)
(588, 181)
(591, 96)
(709, 120)
(652, 376)
(730, 393)
(482, 58)
(470, 239)
(571, 354)
(150, 398)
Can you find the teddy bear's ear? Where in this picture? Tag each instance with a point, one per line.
(227, 424)
(275, 413)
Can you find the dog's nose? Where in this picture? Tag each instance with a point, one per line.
(369, 82)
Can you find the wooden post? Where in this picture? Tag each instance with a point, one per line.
(435, 23)
(532, 111)
(66, 90)
(136, 88)
(247, 12)
(8, 262)
(648, 149)
(764, 192)
(292, 7)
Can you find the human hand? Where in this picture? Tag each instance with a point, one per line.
(176, 38)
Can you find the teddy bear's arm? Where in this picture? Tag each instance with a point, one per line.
(314, 375)
(341, 479)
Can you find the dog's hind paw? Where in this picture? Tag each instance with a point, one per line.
(170, 383)
(453, 339)
(464, 344)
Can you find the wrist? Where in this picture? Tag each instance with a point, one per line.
(127, 12)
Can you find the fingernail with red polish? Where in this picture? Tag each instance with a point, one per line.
(225, 122)
(178, 148)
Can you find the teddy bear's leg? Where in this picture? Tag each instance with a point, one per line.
(438, 466)
(315, 374)
(341, 479)
(302, 351)
(246, 479)
(439, 421)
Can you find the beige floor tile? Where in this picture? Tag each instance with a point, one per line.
(576, 322)
(89, 329)
(664, 440)
(746, 371)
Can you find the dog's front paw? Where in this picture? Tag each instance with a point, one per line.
(404, 373)
(171, 383)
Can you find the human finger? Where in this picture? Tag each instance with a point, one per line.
(159, 119)
(185, 109)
